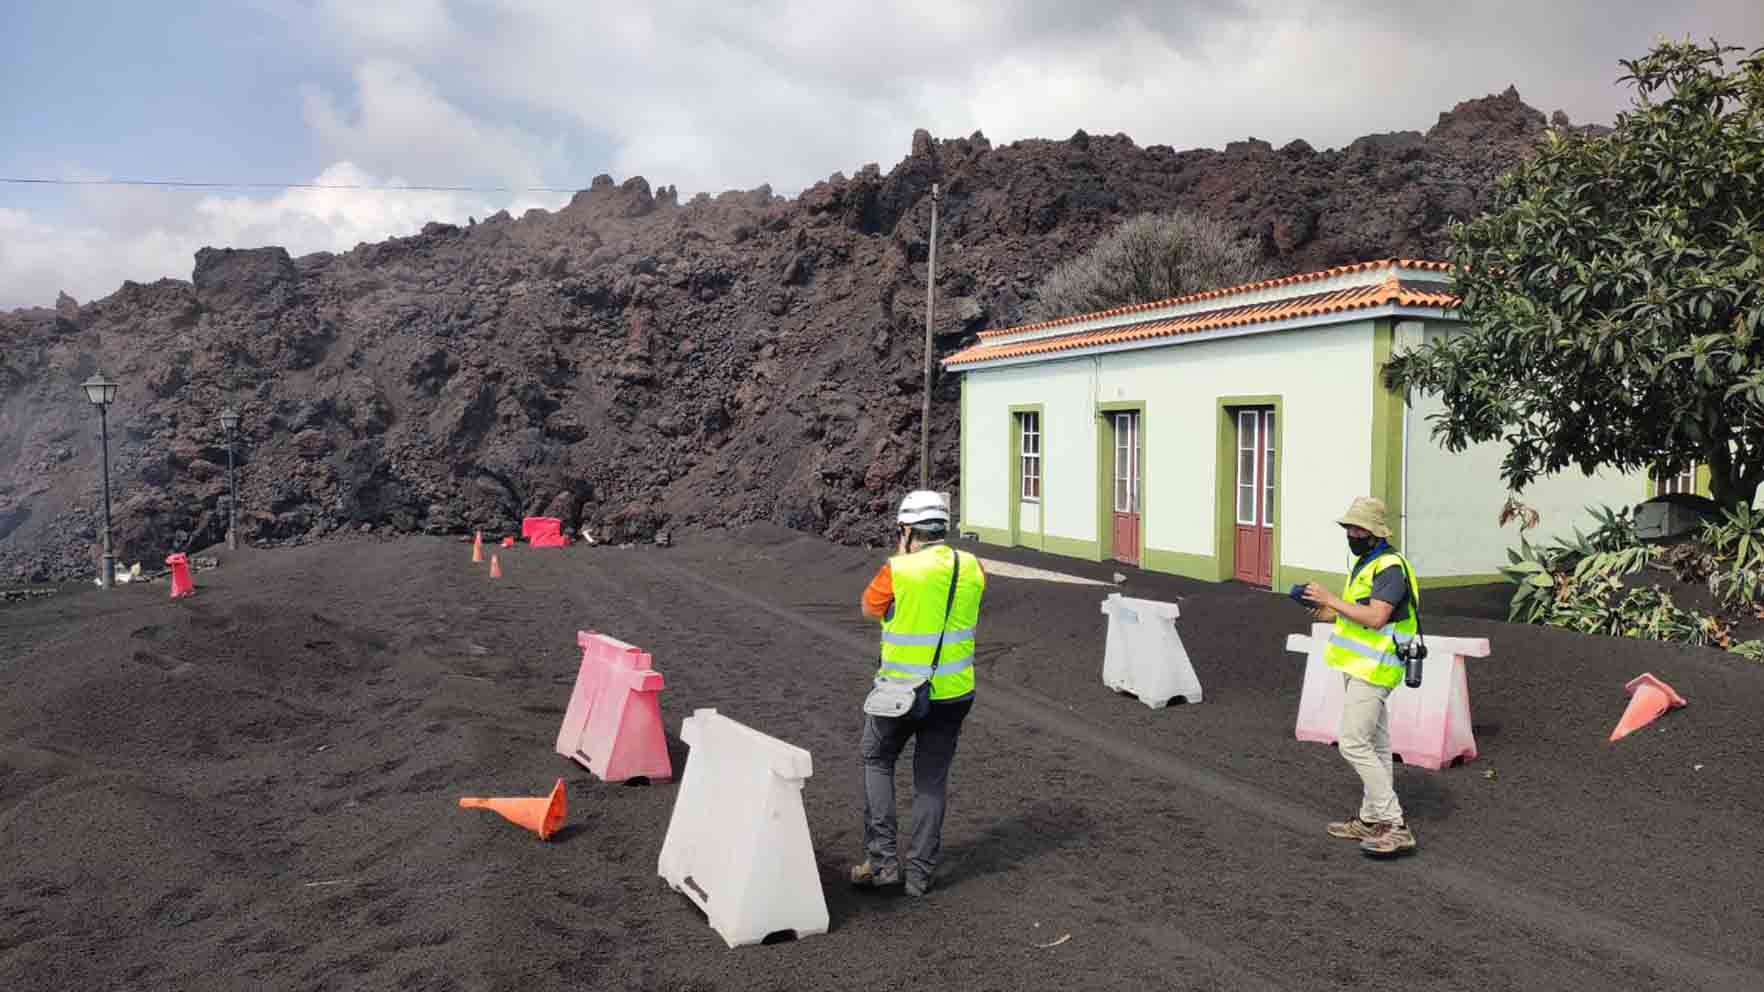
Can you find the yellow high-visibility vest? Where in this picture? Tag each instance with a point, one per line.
(1364, 653)
(909, 633)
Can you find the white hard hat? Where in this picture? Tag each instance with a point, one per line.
(923, 506)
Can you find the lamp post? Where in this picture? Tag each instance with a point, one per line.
(102, 392)
(230, 421)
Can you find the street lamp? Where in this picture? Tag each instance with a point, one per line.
(230, 421)
(102, 392)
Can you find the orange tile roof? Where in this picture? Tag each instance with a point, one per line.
(1408, 293)
(1213, 294)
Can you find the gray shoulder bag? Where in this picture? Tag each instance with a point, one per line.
(909, 696)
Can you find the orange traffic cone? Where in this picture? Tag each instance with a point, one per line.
(1649, 697)
(495, 568)
(478, 546)
(542, 816)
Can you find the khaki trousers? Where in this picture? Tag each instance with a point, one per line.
(1364, 742)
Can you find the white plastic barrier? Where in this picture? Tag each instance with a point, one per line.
(1429, 726)
(738, 841)
(1144, 654)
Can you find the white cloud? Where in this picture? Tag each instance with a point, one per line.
(130, 234)
(715, 95)
(710, 96)
(403, 124)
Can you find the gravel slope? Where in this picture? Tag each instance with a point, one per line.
(256, 787)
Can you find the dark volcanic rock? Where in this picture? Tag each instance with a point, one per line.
(631, 363)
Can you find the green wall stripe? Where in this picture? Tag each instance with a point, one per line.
(1456, 581)
(990, 535)
(1202, 567)
(1387, 430)
(1292, 574)
(1071, 547)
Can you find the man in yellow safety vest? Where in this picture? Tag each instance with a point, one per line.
(927, 598)
(1378, 611)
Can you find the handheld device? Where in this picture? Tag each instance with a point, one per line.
(1297, 592)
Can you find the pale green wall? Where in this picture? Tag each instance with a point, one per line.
(1323, 376)
(1068, 496)
(1454, 499)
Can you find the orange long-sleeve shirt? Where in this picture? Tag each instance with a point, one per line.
(879, 594)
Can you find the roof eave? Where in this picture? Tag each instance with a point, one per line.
(1133, 313)
(1212, 334)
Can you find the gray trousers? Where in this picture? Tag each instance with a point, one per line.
(884, 739)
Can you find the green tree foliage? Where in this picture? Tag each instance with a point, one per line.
(1615, 290)
(1150, 257)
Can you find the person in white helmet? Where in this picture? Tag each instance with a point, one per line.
(927, 598)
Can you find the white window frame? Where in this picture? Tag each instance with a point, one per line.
(1127, 483)
(1029, 456)
(1253, 419)
(1270, 472)
(1683, 482)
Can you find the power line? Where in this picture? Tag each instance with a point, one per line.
(364, 187)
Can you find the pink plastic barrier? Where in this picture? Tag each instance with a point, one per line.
(613, 724)
(533, 528)
(1429, 726)
(181, 583)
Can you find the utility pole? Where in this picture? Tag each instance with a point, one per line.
(229, 423)
(930, 299)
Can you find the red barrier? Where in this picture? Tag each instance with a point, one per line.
(181, 583)
(544, 532)
(533, 527)
(613, 723)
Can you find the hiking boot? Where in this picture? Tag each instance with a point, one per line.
(1353, 828)
(1389, 840)
(867, 876)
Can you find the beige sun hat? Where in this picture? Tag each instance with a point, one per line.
(1368, 513)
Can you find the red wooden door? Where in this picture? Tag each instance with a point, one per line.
(1254, 548)
(1127, 495)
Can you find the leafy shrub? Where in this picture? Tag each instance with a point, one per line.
(1600, 604)
(1736, 542)
(1689, 562)
(1749, 649)
(1545, 575)
(1737, 535)
(1615, 532)
(1578, 583)
(1151, 257)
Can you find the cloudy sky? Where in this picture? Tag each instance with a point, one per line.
(704, 95)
